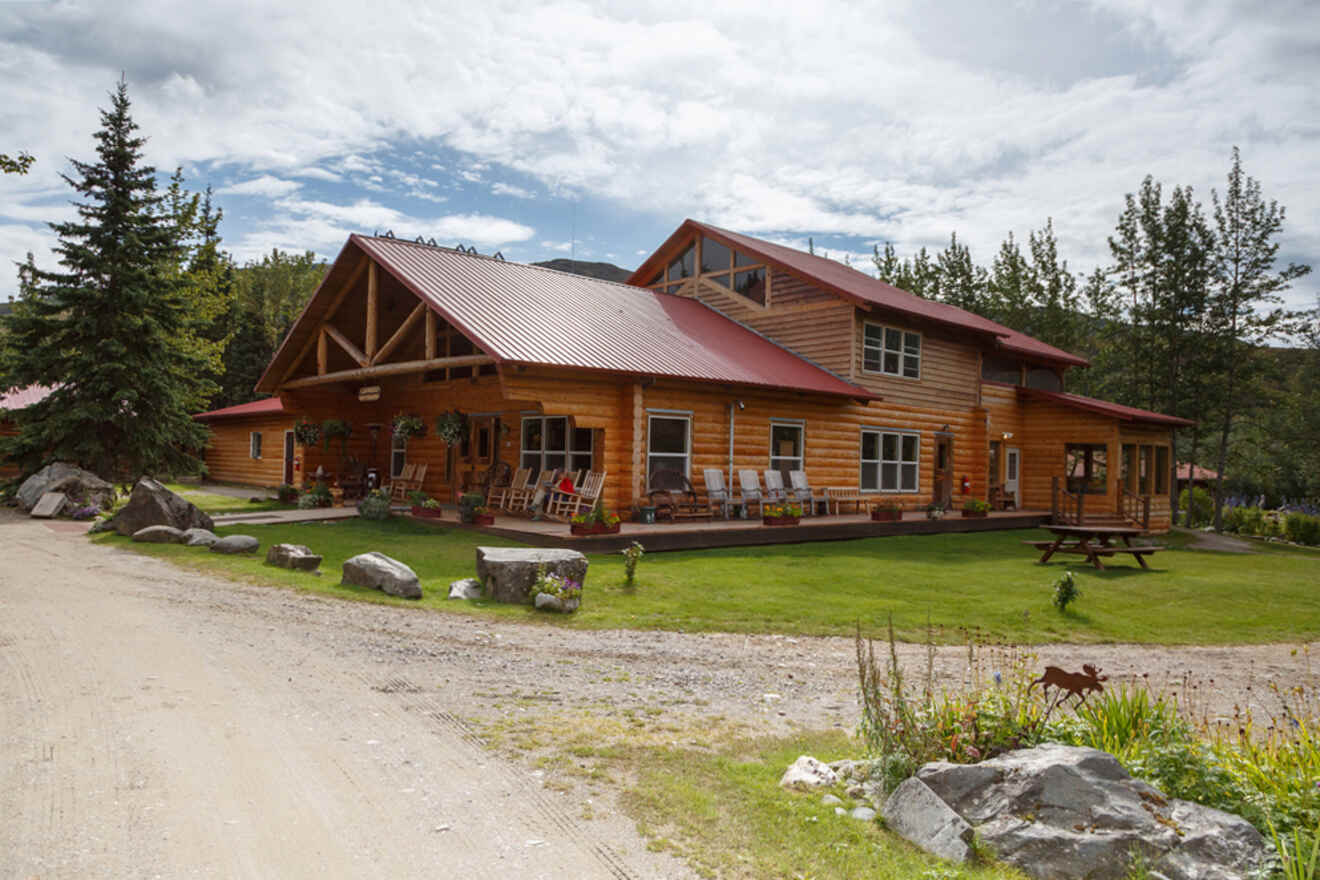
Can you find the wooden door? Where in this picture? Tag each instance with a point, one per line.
(1012, 468)
(288, 457)
(944, 471)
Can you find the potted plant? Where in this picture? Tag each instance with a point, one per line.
(482, 516)
(975, 507)
(407, 426)
(450, 427)
(554, 592)
(307, 433)
(781, 514)
(424, 505)
(468, 503)
(597, 521)
(934, 510)
(337, 428)
(287, 494)
(887, 511)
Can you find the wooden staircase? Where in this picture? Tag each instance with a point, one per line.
(1070, 508)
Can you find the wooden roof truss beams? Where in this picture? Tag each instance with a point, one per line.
(371, 360)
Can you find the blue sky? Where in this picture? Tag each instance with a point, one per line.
(540, 129)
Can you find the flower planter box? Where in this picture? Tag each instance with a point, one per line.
(979, 514)
(593, 529)
(483, 519)
(427, 512)
(880, 515)
(780, 520)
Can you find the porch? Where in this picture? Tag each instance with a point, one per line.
(706, 534)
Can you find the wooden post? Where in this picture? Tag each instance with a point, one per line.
(322, 352)
(372, 297)
(1054, 499)
(430, 335)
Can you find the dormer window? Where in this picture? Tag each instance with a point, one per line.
(891, 350)
(719, 264)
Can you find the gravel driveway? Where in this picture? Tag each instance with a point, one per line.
(157, 722)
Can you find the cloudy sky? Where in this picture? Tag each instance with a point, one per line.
(541, 129)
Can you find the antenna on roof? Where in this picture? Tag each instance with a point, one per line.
(431, 242)
(498, 255)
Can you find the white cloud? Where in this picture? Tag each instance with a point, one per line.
(265, 185)
(562, 247)
(500, 188)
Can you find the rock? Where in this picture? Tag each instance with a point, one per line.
(199, 537)
(84, 487)
(293, 556)
(380, 572)
(862, 814)
(158, 535)
(510, 572)
(830, 800)
(1063, 811)
(807, 772)
(856, 771)
(236, 544)
(151, 504)
(467, 588)
(547, 602)
(48, 505)
(917, 814)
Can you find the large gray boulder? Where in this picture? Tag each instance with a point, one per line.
(233, 544)
(916, 813)
(151, 504)
(82, 487)
(1063, 811)
(296, 557)
(510, 572)
(159, 535)
(467, 588)
(380, 572)
(199, 538)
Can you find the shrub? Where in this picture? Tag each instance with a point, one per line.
(1303, 528)
(1199, 506)
(1233, 519)
(1065, 591)
(976, 505)
(287, 494)
(631, 557)
(308, 501)
(375, 506)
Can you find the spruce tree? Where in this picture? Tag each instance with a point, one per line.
(110, 331)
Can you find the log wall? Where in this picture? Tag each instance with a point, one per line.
(228, 454)
(7, 470)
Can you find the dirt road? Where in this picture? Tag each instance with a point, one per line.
(160, 723)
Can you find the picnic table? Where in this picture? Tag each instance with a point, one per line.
(1094, 542)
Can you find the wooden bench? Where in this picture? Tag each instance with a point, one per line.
(1093, 550)
(837, 495)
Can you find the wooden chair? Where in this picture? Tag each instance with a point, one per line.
(398, 487)
(499, 496)
(522, 499)
(563, 505)
(418, 477)
(774, 486)
(673, 496)
(717, 494)
(801, 492)
(749, 490)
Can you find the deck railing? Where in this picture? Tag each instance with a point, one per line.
(1134, 508)
(1067, 508)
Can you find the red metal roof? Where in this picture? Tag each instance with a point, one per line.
(1198, 473)
(265, 406)
(524, 314)
(21, 398)
(851, 284)
(1103, 407)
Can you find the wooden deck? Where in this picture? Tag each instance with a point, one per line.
(700, 535)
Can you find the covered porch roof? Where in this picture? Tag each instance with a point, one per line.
(1103, 407)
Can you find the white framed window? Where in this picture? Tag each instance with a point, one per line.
(891, 350)
(398, 454)
(786, 446)
(890, 460)
(668, 444)
(548, 442)
(254, 444)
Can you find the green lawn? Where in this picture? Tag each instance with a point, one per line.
(985, 581)
(215, 503)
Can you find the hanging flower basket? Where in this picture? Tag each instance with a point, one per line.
(307, 433)
(337, 428)
(407, 426)
(450, 427)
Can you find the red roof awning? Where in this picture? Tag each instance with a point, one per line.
(1103, 407)
(265, 406)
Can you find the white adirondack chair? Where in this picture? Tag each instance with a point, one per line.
(774, 486)
(801, 492)
(749, 490)
(716, 492)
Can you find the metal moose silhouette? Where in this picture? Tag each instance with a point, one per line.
(1072, 684)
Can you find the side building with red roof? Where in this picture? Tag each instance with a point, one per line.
(722, 352)
(251, 444)
(11, 403)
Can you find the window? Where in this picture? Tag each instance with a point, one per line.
(715, 257)
(1161, 470)
(450, 343)
(668, 444)
(891, 351)
(1144, 470)
(1045, 380)
(254, 444)
(398, 454)
(996, 368)
(786, 448)
(1087, 467)
(549, 443)
(484, 431)
(890, 460)
(995, 458)
(751, 284)
(1127, 475)
(716, 263)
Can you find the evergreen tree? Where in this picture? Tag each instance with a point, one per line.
(1054, 292)
(15, 164)
(1245, 307)
(111, 331)
(1009, 291)
(961, 282)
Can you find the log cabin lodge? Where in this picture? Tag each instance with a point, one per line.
(721, 351)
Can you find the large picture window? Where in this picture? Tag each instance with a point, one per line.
(890, 460)
(1087, 466)
(891, 351)
(668, 444)
(719, 264)
(786, 448)
(548, 442)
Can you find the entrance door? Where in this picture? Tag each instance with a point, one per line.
(1012, 465)
(944, 471)
(288, 457)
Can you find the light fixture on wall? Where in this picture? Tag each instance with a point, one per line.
(1008, 435)
(741, 406)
